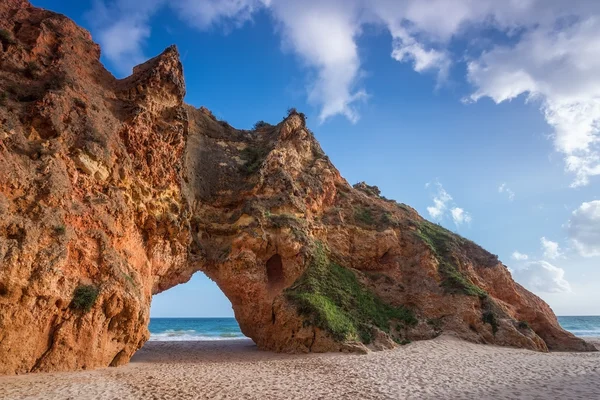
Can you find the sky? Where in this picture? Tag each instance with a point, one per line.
(482, 115)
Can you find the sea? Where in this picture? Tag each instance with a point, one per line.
(581, 326)
(181, 329)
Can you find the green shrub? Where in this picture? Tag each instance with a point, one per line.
(443, 244)
(84, 297)
(523, 325)
(364, 216)
(261, 124)
(60, 229)
(296, 225)
(488, 317)
(292, 111)
(388, 219)
(404, 207)
(282, 220)
(58, 81)
(368, 189)
(129, 279)
(333, 299)
(436, 323)
(32, 69)
(6, 37)
(254, 157)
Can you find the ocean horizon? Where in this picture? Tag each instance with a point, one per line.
(227, 328)
(191, 329)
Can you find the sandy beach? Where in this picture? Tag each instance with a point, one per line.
(445, 368)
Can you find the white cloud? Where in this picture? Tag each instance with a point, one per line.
(519, 256)
(584, 229)
(505, 189)
(442, 203)
(123, 26)
(323, 34)
(206, 13)
(125, 52)
(551, 249)
(406, 48)
(121, 38)
(460, 216)
(541, 276)
(557, 68)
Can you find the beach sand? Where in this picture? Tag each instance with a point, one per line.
(444, 368)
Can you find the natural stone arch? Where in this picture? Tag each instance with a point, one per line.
(139, 191)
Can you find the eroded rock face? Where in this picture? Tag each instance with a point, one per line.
(119, 187)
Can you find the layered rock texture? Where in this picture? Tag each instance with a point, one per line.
(114, 190)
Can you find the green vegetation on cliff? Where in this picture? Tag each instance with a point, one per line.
(445, 245)
(334, 300)
(488, 317)
(253, 157)
(84, 297)
(6, 37)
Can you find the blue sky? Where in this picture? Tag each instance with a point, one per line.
(484, 116)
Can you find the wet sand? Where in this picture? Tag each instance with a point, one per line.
(444, 368)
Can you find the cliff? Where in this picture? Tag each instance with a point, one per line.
(114, 190)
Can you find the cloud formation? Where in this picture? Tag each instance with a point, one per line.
(460, 216)
(542, 277)
(551, 249)
(443, 203)
(584, 229)
(556, 68)
(505, 189)
(548, 52)
(116, 20)
(323, 34)
(440, 202)
(519, 256)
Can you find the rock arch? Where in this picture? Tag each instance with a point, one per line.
(138, 191)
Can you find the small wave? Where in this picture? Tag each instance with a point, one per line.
(231, 335)
(191, 335)
(176, 332)
(585, 332)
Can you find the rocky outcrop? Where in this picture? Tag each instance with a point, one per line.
(114, 190)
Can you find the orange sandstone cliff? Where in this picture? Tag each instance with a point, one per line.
(114, 190)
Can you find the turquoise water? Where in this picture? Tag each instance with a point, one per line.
(581, 326)
(171, 329)
(176, 329)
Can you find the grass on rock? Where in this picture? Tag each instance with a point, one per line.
(6, 37)
(364, 215)
(489, 317)
(32, 69)
(524, 325)
(84, 297)
(443, 244)
(333, 298)
(261, 124)
(254, 157)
